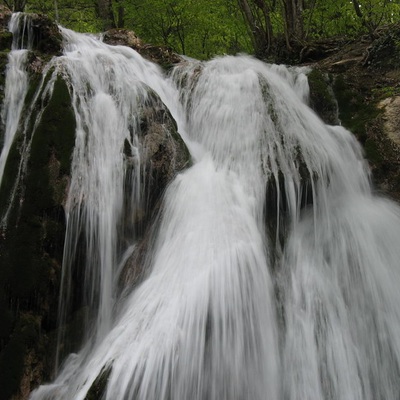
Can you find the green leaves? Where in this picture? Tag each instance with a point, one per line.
(204, 28)
(199, 29)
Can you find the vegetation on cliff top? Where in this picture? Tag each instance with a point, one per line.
(203, 28)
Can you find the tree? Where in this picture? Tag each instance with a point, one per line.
(257, 15)
(373, 13)
(15, 5)
(200, 29)
(203, 28)
(105, 14)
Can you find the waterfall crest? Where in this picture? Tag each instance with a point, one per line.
(272, 270)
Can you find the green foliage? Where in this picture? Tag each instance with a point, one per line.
(204, 28)
(382, 93)
(79, 15)
(301, 20)
(197, 28)
(331, 19)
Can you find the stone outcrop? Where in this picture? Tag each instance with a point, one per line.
(31, 244)
(364, 78)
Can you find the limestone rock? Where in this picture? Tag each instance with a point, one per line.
(391, 109)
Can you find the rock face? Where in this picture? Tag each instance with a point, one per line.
(364, 77)
(322, 98)
(32, 245)
(32, 240)
(391, 116)
(165, 152)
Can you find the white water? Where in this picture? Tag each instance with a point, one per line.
(110, 88)
(244, 299)
(15, 89)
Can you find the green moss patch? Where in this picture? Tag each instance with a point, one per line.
(354, 111)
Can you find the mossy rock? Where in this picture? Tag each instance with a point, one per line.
(46, 37)
(372, 151)
(355, 112)
(384, 156)
(164, 153)
(32, 244)
(6, 39)
(322, 98)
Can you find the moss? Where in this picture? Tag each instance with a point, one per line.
(372, 152)
(6, 39)
(384, 92)
(354, 111)
(322, 99)
(46, 37)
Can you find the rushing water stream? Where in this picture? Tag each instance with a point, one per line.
(274, 271)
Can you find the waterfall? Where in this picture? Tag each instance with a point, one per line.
(15, 89)
(272, 268)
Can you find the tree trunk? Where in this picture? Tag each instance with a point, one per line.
(357, 8)
(121, 14)
(263, 6)
(261, 38)
(19, 5)
(105, 13)
(293, 19)
(369, 25)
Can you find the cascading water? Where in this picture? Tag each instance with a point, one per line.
(15, 89)
(273, 272)
(109, 87)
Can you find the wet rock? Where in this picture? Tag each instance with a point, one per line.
(47, 38)
(163, 155)
(161, 55)
(322, 98)
(98, 388)
(31, 248)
